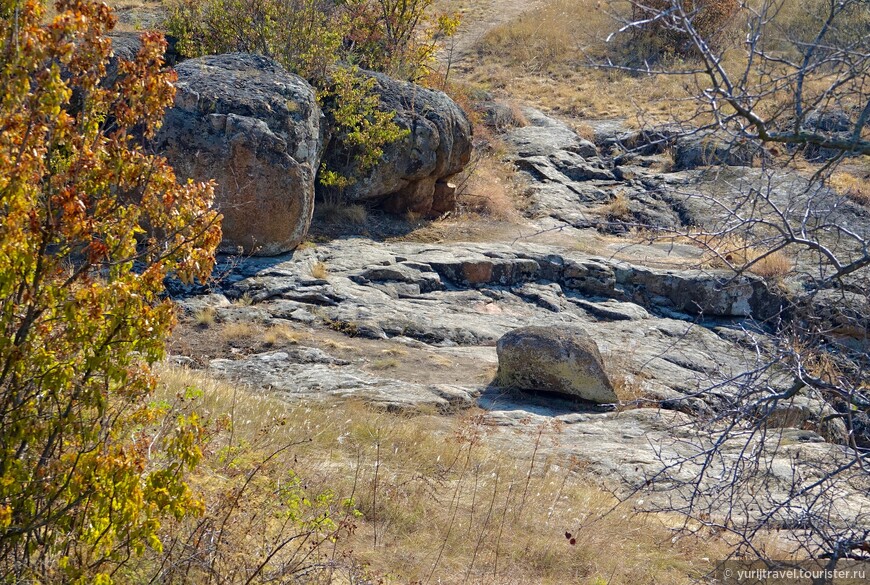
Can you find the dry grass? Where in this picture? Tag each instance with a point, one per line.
(548, 36)
(734, 251)
(281, 334)
(801, 21)
(138, 15)
(489, 188)
(584, 130)
(517, 115)
(333, 344)
(617, 208)
(394, 352)
(319, 270)
(855, 188)
(628, 389)
(348, 214)
(244, 301)
(540, 58)
(385, 364)
(775, 265)
(543, 58)
(437, 501)
(440, 360)
(204, 317)
(239, 331)
(627, 380)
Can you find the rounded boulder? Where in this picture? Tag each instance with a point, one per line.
(563, 360)
(246, 122)
(414, 172)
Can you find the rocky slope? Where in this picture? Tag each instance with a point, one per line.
(664, 333)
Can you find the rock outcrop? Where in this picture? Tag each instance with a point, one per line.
(836, 124)
(706, 149)
(453, 302)
(255, 128)
(572, 182)
(545, 136)
(678, 341)
(563, 360)
(468, 296)
(414, 171)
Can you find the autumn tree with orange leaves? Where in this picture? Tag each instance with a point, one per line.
(91, 225)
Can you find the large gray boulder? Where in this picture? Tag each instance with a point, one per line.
(414, 171)
(255, 128)
(706, 149)
(834, 123)
(564, 360)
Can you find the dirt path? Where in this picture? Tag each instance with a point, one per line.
(479, 17)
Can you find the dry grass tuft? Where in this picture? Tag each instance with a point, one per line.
(855, 188)
(395, 352)
(333, 344)
(341, 214)
(519, 118)
(584, 130)
(281, 334)
(628, 388)
(319, 270)
(239, 331)
(773, 266)
(440, 360)
(205, 318)
(244, 301)
(385, 364)
(736, 252)
(618, 208)
(488, 188)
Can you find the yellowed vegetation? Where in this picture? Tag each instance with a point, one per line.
(487, 185)
(584, 130)
(238, 331)
(544, 57)
(774, 265)
(540, 57)
(280, 334)
(437, 501)
(489, 188)
(628, 389)
(855, 188)
(440, 360)
(244, 301)
(204, 317)
(351, 214)
(333, 344)
(385, 364)
(137, 15)
(319, 270)
(394, 352)
(617, 208)
(734, 251)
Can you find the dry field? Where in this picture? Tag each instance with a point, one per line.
(347, 494)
